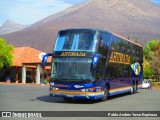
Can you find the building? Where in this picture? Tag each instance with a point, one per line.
(27, 66)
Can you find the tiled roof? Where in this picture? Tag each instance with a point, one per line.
(26, 55)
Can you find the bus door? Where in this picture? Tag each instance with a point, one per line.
(103, 50)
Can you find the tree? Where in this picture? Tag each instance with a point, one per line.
(152, 58)
(155, 61)
(6, 54)
(147, 69)
(150, 48)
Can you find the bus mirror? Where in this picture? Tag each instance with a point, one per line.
(95, 60)
(44, 59)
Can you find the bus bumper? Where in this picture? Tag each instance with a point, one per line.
(77, 95)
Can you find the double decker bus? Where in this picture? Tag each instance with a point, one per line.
(94, 64)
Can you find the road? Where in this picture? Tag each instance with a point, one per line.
(36, 98)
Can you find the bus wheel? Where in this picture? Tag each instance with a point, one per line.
(105, 97)
(134, 88)
(67, 99)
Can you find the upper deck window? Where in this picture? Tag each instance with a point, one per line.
(76, 40)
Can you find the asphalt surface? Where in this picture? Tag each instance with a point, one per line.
(36, 98)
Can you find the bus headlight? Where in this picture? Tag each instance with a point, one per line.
(53, 88)
(83, 90)
(88, 89)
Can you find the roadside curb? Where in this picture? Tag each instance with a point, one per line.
(27, 84)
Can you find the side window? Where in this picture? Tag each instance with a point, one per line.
(100, 69)
(118, 71)
(134, 49)
(115, 44)
(139, 51)
(128, 48)
(104, 43)
(122, 44)
(110, 73)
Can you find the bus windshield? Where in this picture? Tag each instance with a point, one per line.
(76, 40)
(71, 69)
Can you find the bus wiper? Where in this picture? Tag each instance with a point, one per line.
(85, 80)
(88, 80)
(59, 78)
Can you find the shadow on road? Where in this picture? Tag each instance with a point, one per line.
(120, 95)
(47, 98)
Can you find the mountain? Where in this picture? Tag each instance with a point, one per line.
(10, 26)
(137, 19)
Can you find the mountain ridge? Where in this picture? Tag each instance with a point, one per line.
(11, 26)
(136, 19)
(61, 13)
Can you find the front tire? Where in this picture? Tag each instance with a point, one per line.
(105, 97)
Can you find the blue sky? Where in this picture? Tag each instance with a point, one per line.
(30, 11)
(156, 1)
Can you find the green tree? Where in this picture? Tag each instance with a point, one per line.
(152, 58)
(155, 61)
(150, 48)
(6, 54)
(147, 69)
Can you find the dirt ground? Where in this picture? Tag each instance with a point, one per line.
(156, 87)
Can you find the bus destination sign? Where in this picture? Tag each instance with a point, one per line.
(82, 54)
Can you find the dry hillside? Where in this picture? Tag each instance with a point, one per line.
(138, 19)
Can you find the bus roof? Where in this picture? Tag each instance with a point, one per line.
(96, 29)
(93, 29)
(127, 40)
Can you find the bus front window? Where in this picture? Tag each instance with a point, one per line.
(76, 41)
(72, 69)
